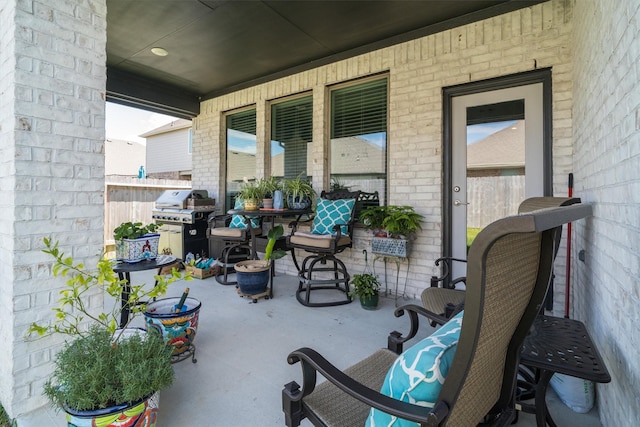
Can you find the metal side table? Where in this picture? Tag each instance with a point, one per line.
(557, 345)
(124, 271)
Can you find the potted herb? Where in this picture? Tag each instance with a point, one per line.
(367, 287)
(104, 372)
(253, 275)
(299, 193)
(135, 241)
(251, 194)
(269, 186)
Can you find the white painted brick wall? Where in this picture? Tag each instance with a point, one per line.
(606, 126)
(7, 184)
(52, 81)
(417, 72)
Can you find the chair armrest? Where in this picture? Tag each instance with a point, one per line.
(446, 268)
(293, 225)
(313, 362)
(213, 218)
(395, 341)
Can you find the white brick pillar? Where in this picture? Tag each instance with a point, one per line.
(52, 103)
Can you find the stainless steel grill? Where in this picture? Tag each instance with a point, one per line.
(183, 215)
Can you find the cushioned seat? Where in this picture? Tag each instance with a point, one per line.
(236, 236)
(330, 234)
(446, 379)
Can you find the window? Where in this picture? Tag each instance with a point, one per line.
(190, 147)
(358, 152)
(241, 151)
(291, 137)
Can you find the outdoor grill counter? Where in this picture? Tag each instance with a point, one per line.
(183, 215)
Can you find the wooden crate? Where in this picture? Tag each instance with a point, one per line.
(200, 273)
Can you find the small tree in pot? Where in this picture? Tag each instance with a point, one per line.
(104, 370)
(367, 287)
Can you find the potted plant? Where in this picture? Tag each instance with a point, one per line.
(251, 194)
(104, 372)
(269, 186)
(299, 193)
(394, 227)
(373, 218)
(135, 241)
(253, 275)
(367, 287)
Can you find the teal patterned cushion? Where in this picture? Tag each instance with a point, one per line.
(330, 213)
(418, 373)
(237, 221)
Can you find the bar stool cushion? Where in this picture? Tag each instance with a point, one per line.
(321, 241)
(330, 213)
(419, 372)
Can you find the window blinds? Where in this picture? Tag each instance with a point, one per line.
(291, 134)
(359, 109)
(244, 121)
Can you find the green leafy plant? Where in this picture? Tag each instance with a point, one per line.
(273, 235)
(269, 186)
(103, 364)
(133, 230)
(5, 421)
(251, 191)
(298, 189)
(402, 221)
(337, 185)
(364, 284)
(398, 221)
(373, 217)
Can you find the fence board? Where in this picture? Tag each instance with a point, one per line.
(132, 199)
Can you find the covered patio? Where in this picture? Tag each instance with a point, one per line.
(242, 351)
(59, 64)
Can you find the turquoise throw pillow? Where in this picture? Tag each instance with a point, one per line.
(330, 213)
(237, 221)
(418, 373)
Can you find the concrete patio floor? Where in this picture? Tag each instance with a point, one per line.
(242, 349)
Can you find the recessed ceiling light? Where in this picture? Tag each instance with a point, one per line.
(159, 51)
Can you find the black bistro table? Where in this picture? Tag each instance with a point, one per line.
(557, 345)
(124, 271)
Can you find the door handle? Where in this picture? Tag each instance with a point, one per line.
(458, 203)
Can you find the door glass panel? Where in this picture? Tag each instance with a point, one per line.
(495, 163)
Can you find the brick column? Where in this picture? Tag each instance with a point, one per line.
(52, 82)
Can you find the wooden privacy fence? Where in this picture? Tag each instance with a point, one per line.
(132, 199)
(493, 197)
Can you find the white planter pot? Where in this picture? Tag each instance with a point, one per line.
(136, 250)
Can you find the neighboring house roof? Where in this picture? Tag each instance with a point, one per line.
(123, 157)
(174, 125)
(503, 149)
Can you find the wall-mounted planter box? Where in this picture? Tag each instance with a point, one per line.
(391, 247)
(136, 250)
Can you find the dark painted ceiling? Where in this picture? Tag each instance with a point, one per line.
(219, 46)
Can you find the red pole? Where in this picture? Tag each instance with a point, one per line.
(568, 271)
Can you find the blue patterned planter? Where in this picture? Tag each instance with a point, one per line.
(136, 250)
(139, 414)
(177, 329)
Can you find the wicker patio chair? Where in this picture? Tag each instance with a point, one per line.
(509, 268)
(444, 298)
